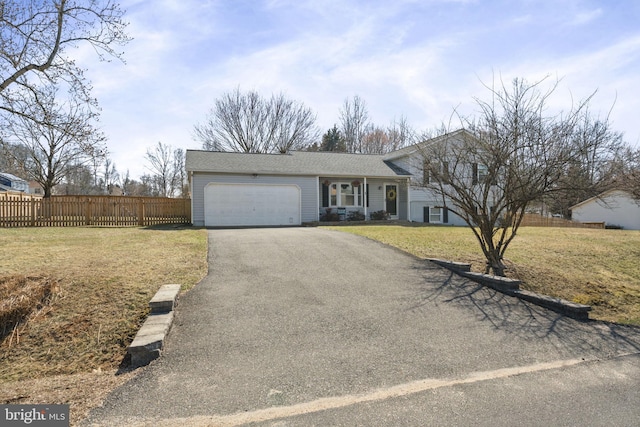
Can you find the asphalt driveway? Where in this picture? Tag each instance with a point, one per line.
(305, 326)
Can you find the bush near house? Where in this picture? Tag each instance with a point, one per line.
(329, 216)
(379, 216)
(355, 216)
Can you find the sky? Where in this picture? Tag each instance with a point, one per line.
(418, 59)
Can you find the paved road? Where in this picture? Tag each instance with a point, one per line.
(305, 326)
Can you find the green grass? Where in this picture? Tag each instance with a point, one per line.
(105, 277)
(596, 267)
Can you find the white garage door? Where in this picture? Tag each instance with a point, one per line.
(251, 204)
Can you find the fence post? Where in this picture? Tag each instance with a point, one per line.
(88, 212)
(33, 211)
(140, 212)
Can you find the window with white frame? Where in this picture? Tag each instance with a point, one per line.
(482, 173)
(345, 194)
(435, 215)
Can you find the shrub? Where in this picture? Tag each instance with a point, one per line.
(380, 216)
(355, 216)
(613, 227)
(329, 216)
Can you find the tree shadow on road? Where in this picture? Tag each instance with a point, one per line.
(523, 319)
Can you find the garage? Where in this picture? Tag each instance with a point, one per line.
(244, 205)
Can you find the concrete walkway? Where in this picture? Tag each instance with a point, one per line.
(305, 326)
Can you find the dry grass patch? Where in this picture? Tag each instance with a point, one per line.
(20, 298)
(588, 266)
(102, 281)
(83, 391)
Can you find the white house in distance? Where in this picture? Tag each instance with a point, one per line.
(613, 207)
(243, 189)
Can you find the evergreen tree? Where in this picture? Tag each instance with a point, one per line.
(333, 141)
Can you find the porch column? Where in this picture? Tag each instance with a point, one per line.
(318, 202)
(409, 199)
(364, 197)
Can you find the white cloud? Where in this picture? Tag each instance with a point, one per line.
(584, 18)
(412, 58)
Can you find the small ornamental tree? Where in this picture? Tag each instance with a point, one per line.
(513, 154)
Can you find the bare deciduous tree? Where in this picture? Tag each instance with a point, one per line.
(249, 123)
(400, 134)
(181, 182)
(36, 38)
(378, 140)
(374, 141)
(594, 169)
(511, 156)
(57, 134)
(627, 172)
(362, 136)
(167, 168)
(35, 65)
(354, 121)
(110, 176)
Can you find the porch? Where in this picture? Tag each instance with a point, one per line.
(362, 198)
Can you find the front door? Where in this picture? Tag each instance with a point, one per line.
(391, 199)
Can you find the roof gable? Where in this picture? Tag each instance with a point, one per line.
(601, 196)
(419, 147)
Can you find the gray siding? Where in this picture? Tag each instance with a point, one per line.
(308, 190)
(377, 196)
(421, 198)
(402, 201)
(413, 165)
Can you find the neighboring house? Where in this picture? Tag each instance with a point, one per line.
(240, 189)
(613, 207)
(35, 188)
(10, 182)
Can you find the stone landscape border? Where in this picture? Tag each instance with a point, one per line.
(149, 341)
(511, 287)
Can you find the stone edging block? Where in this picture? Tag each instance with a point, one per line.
(512, 287)
(149, 341)
(451, 265)
(568, 308)
(165, 299)
(502, 284)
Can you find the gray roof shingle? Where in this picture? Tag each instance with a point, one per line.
(313, 163)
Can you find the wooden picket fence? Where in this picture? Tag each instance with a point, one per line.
(72, 211)
(534, 220)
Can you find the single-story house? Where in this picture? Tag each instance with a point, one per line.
(9, 182)
(613, 207)
(245, 189)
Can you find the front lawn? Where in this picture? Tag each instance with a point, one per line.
(596, 267)
(96, 285)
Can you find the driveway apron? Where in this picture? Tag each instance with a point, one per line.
(309, 320)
